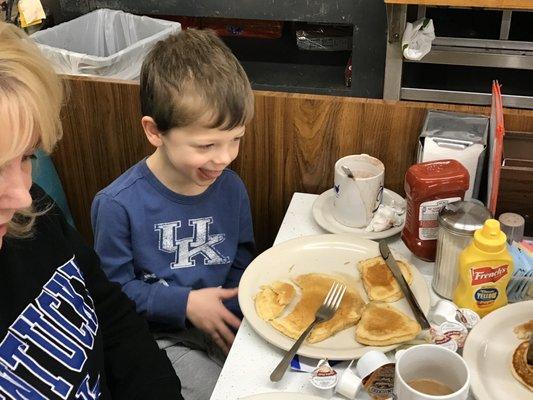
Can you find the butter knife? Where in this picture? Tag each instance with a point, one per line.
(404, 286)
(529, 356)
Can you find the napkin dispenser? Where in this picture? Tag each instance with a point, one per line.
(462, 137)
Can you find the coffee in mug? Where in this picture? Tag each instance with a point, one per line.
(430, 372)
(430, 386)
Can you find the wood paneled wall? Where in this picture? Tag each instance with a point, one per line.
(291, 144)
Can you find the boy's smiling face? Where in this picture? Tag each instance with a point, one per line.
(191, 158)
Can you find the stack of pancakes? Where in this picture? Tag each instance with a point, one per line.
(380, 324)
(522, 371)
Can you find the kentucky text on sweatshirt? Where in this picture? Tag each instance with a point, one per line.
(66, 332)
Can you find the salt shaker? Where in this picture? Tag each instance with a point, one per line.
(457, 223)
(513, 226)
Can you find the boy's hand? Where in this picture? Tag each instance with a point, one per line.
(206, 311)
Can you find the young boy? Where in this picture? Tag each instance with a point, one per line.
(175, 230)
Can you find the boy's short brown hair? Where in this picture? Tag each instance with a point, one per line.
(193, 76)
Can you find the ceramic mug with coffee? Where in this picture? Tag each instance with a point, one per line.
(357, 197)
(430, 372)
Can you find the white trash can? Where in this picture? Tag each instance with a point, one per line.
(107, 43)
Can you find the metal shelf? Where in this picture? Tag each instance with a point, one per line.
(503, 54)
(479, 59)
(458, 97)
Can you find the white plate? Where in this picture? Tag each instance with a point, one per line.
(323, 214)
(281, 396)
(488, 351)
(335, 254)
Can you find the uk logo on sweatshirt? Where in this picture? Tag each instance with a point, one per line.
(47, 345)
(202, 243)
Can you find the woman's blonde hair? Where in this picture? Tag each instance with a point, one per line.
(31, 96)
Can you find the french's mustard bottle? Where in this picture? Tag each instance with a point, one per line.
(485, 268)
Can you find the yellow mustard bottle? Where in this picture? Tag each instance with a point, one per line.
(485, 268)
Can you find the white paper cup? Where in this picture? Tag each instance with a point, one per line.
(356, 199)
(429, 361)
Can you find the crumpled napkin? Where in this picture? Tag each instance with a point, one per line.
(386, 217)
(417, 39)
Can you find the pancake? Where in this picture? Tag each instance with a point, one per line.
(314, 289)
(378, 280)
(524, 331)
(522, 371)
(272, 299)
(382, 325)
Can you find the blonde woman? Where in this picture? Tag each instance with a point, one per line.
(65, 331)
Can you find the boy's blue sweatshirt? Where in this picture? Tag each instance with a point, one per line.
(160, 245)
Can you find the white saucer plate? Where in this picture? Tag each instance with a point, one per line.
(323, 215)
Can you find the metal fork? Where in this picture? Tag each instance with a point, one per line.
(325, 312)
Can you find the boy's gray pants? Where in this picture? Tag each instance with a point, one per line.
(196, 359)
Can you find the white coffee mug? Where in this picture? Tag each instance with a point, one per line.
(357, 198)
(435, 363)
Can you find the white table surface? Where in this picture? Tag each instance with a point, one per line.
(251, 359)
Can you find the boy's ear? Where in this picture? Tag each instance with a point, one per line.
(153, 134)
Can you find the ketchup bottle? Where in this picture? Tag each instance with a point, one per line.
(429, 186)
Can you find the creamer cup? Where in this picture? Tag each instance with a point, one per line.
(451, 335)
(323, 376)
(370, 361)
(349, 383)
(443, 311)
(469, 318)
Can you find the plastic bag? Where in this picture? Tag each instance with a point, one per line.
(104, 42)
(324, 38)
(417, 39)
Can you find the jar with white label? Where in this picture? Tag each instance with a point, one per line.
(457, 223)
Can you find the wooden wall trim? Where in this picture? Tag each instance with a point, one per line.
(291, 144)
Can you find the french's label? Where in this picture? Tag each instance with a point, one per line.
(481, 275)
